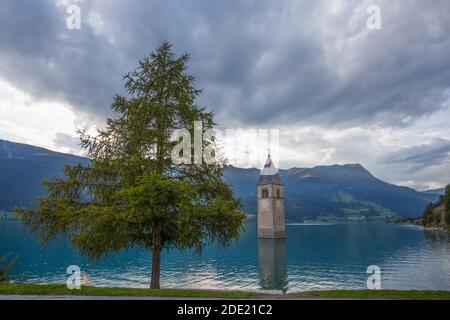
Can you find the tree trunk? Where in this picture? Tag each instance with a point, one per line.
(156, 259)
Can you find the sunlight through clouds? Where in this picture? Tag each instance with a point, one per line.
(35, 122)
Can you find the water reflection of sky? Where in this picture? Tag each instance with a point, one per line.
(312, 257)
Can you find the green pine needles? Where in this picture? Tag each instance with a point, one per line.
(132, 194)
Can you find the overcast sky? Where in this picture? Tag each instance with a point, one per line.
(338, 91)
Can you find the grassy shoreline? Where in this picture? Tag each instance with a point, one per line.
(61, 290)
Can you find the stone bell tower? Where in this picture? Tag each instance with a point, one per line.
(270, 203)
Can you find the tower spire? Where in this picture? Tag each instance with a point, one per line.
(270, 202)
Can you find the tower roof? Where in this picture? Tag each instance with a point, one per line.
(269, 174)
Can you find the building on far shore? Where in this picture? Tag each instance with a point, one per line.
(270, 197)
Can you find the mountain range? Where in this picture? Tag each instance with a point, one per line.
(22, 168)
(336, 192)
(339, 192)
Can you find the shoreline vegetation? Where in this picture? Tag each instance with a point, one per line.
(25, 289)
(436, 216)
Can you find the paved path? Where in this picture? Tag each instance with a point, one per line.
(62, 297)
(37, 297)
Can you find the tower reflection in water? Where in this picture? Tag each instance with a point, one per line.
(272, 264)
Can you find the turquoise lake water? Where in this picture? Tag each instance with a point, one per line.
(313, 257)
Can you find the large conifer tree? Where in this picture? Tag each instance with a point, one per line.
(132, 194)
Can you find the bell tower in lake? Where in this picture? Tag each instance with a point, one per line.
(270, 197)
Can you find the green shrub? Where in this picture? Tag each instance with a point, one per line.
(446, 201)
(5, 268)
(427, 217)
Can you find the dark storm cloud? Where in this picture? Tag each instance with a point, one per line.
(422, 156)
(42, 57)
(259, 62)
